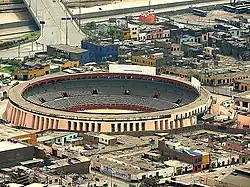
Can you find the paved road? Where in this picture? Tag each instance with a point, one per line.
(54, 29)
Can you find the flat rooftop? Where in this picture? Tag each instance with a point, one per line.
(68, 48)
(7, 145)
(239, 180)
(244, 95)
(246, 81)
(52, 135)
(9, 132)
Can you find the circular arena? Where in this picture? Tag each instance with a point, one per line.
(106, 102)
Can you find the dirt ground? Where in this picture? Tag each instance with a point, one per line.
(210, 17)
(11, 17)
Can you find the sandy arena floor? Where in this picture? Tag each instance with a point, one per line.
(109, 111)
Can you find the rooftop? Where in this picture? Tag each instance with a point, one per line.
(246, 81)
(9, 145)
(67, 162)
(245, 95)
(10, 132)
(68, 48)
(52, 135)
(104, 136)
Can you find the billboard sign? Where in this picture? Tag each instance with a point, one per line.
(196, 83)
(132, 69)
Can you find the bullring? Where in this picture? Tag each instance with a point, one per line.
(66, 102)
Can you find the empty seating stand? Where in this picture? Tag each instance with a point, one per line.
(110, 92)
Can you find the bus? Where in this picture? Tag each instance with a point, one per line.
(241, 10)
(229, 8)
(221, 20)
(198, 12)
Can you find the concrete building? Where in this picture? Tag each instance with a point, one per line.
(12, 152)
(19, 134)
(31, 70)
(147, 60)
(174, 150)
(101, 51)
(179, 167)
(211, 51)
(134, 31)
(243, 120)
(95, 138)
(242, 102)
(242, 84)
(80, 165)
(156, 33)
(68, 52)
(56, 137)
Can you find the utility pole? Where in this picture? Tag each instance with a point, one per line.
(18, 51)
(36, 8)
(66, 23)
(66, 27)
(79, 17)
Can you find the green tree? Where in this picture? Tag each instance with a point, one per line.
(150, 182)
(115, 33)
(194, 74)
(91, 25)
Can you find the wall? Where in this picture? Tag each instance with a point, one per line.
(243, 121)
(21, 74)
(99, 52)
(20, 23)
(69, 64)
(13, 157)
(79, 168)
(31, 138)
(145, 61)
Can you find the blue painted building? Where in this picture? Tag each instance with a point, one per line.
(101, 51)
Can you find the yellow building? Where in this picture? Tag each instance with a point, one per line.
(225, 78)
(134, 31)
(205, 159)
(147, 60)
(143, 60)
(210, 51)
(68, 65)
(242, 85)
(30, 71)
(28, 138)
(126, 34)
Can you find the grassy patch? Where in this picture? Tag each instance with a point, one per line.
(26, 38)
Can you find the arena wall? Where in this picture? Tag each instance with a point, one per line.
(19, 117)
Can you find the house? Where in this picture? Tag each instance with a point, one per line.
(101, 51)
(191, 49)
(147, 60)
(134, 31)
(242, 84)
(30, 70)
(68, 52)
(174, 150)
(211, 51)
(157, 32)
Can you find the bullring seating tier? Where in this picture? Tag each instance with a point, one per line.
(111, 91)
